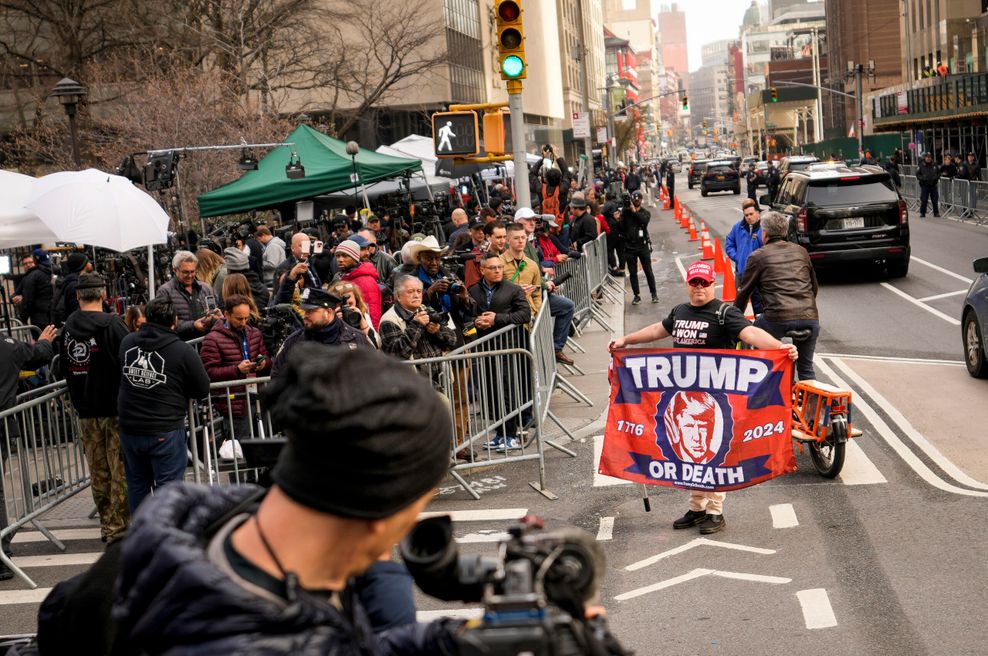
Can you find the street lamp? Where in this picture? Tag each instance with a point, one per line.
(352, 148)
(70, 93)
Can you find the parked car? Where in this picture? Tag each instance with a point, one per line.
(761, 168)
(720, 175)
(696, 172)
(974, 322)
(795, 163)
(846, 214)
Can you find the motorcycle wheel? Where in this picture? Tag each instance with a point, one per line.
(828, 456)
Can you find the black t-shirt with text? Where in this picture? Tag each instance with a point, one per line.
(700, 327)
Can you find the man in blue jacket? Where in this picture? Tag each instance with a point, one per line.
(745, 237)
(161, 373)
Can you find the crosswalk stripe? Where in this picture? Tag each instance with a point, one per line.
(457, 613)
(600, 480)
(24, 537)
(858, 468)
(13, 597)
(489, 515)
(57, 560)
(483, 536)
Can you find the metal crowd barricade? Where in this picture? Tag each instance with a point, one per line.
(232, 411)
(27, 334)
(42, 464)
(549, 379)
(964, 199)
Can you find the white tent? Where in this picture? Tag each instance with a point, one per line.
(19, 226)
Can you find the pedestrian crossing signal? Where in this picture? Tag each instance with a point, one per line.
(455, 134)
(510, 40)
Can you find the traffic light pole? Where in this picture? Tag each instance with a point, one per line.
(523, 195)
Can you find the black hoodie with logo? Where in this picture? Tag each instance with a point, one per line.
(160, 373)
(90, 362)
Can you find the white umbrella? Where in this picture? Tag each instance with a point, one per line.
(19, 226)
(98, 209)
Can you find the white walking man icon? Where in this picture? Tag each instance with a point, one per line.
(445, 133)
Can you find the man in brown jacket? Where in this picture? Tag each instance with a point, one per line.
(783, 274)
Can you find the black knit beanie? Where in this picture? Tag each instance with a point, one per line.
(367, 436)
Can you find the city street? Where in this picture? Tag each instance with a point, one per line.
(886, 559)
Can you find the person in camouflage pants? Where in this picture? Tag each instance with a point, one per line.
(90, 364)
(101, 443)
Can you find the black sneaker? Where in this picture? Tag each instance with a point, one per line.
(655, 299)
(5, 574)
(636, 300)
(712, 524)
(691, 518)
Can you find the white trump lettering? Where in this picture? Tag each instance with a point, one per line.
(730, 374)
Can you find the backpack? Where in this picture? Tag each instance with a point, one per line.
(550, 204)
(58, 301)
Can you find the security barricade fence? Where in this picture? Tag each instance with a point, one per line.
(42, 462)
(498, 389)
(966, 200)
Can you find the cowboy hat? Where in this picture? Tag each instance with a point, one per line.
(430, 243)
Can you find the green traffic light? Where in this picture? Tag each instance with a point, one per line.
(512, 66)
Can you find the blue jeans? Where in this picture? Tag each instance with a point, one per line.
(385, 592)
(561, 309)
(152, 461)
(804, 363)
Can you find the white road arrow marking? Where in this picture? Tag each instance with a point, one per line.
(698, 542)
(698, 573)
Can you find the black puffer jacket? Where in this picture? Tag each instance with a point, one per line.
(37, 289)
(928, 175)
(172, 598)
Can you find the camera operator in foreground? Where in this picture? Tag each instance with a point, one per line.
(237, 571)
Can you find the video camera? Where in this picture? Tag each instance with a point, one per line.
(534, 592)
(279, 321)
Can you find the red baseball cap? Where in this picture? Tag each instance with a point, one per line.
(700, 270)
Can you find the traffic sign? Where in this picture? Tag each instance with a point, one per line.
(455, 134)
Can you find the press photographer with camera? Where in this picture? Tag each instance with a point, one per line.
(362, 274)
(353, 310)
(411, 330)
(320, 324)
(303, 248)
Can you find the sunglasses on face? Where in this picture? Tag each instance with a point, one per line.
(696, 282)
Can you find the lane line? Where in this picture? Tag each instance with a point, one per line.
(482, 536)
(606, 530)
(57, 560)
(817, 611)
(783, 515)
(941, 269)
(24, 537)
(886, 358)
(893, 441)
(932, 310)
(858, 468)
(757, 578)
(937, 297)
(934, 454)
(456, 613)
(602, 480)
(488, 515)
(14, 597)
(696, 542)
(661, 585)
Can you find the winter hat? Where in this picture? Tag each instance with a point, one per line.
(76, 262)
(349, 247)
(364, 451)
(235, 259)
(40, 256)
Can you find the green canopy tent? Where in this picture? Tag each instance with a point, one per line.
(328, 168)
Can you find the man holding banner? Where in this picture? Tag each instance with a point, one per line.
(708, 422)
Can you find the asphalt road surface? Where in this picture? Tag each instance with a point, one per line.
(889, 558)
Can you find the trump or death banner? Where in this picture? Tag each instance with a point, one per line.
(699, 419)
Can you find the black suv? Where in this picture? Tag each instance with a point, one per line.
(696, 172)
(720, 175)
(846, 214)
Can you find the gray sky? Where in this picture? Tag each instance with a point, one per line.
(711, 20)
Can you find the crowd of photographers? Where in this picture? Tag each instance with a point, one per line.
(256, 304)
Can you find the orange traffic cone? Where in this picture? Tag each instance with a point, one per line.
(730, 288)
(718, 258)
(693, 235)
(708, 249)
(665, 203)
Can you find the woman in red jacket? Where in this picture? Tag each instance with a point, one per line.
(363, 275)
(234, 350)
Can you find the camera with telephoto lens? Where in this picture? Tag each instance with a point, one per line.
(352, 316)
(534, 591)
(442, 318)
